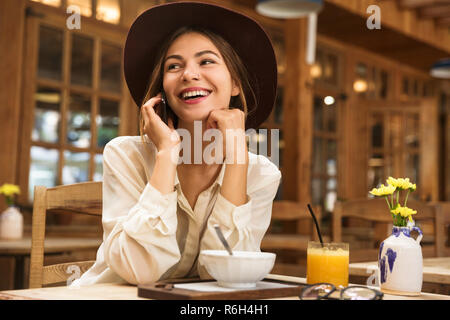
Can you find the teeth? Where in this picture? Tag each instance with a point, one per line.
(195, 93)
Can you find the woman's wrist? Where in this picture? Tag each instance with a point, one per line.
(164, 171)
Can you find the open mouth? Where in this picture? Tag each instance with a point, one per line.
(192, 95)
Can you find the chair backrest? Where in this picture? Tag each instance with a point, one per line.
(376, 210)
(82, 198)
(297, 213)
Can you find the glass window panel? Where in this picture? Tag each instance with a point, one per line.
(98, 171)
(330, 116)
(82, 56)
(47, 115)
(318, 113)
(416, 87)
(331, 184)
(53, 3)
(318, 158)
(405, 86)
(79, 121)
(108, 11)
(331, 149)
(84, 5)
(317, 192)
(412, 131)
(330, 200)
(330, 69)
(107, 121)
(412, 167)
(331, 167)
(111, 66)
(361, 70)
(375, 177)
(76, 167)
(50, 53)
(318, 71)
(43, 169)
(377, 131)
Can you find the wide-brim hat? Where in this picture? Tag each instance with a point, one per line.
(243, 33)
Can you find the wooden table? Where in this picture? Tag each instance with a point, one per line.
(20, 250)
(435, 270)
(436, 273)
(129, 292)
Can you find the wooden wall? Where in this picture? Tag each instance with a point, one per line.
(12, 22)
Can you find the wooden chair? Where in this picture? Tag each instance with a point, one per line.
(280, 242)
(84, 198)
(444, 227)
(376, 211)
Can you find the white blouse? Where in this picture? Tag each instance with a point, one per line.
(149, 236)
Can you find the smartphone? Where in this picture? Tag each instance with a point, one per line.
(166, 111)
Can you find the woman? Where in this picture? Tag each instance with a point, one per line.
(158, 211)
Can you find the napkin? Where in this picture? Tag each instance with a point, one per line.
(213, 286)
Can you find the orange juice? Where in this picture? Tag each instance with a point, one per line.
(328, 264)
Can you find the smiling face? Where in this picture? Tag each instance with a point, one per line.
(196, 79)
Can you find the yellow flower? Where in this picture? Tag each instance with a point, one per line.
(401, 183)
(383, 190)
(9, 189)
(404, 211)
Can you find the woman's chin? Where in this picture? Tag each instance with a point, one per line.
(190, 118)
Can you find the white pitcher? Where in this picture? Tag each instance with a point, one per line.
(400, 263)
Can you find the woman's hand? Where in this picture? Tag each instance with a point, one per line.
(165, 137)
(231, 123)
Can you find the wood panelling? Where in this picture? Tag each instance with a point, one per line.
(346, 21)
(298, 105)
(401, 19)
(12, 20)
(429, 150)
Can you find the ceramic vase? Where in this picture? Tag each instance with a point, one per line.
(400, 262)
(11, 224)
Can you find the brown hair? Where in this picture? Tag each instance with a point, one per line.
(233, 62)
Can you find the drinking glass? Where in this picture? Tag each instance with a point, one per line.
(327, 263)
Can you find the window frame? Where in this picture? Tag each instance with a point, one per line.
(99, 32)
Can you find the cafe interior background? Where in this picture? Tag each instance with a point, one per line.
(368, 107)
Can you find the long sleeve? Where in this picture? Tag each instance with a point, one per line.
(244, 226)
(139, 222)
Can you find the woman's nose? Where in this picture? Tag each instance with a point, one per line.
(191, 74)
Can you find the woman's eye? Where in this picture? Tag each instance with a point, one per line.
(207, 61)
(172, 66)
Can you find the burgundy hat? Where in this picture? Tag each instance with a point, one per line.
(244, 34)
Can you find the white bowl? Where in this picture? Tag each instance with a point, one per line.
(241, 270)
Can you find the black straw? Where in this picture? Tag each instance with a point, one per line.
(315, 222)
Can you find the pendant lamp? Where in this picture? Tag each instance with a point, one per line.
(293, 9)
(288, 9)
(441, 69)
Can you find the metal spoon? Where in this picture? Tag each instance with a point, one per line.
(222, 239)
